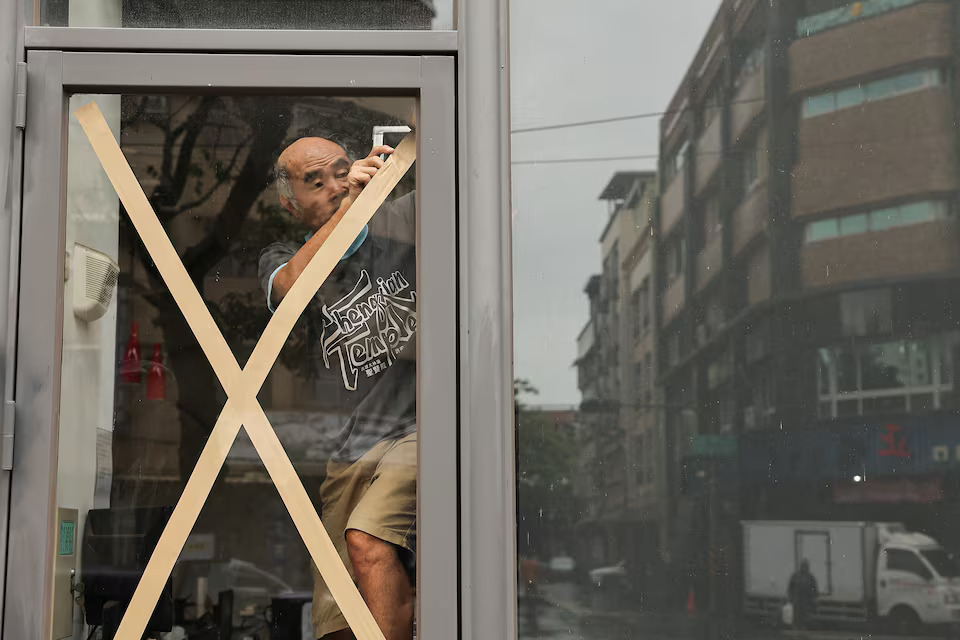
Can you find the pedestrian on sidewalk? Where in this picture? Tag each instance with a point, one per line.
(802, 592)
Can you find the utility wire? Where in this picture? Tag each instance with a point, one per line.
(735, 153)
(637, 116)
(607, 159)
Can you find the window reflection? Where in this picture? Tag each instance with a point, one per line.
(139, 398)
(763, 322)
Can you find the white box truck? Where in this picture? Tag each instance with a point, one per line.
(864, 571)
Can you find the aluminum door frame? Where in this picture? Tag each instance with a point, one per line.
(52, 77)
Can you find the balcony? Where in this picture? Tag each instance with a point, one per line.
(758, 276)
(673, 299)
(585, 340)
(750, 218)
(708, 154)
(844, 15)
(748, 102)
(862, 156)
(913, 250)
(671, 205)
(894, 39)
(709, 261)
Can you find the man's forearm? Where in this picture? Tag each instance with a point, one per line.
(285, 278)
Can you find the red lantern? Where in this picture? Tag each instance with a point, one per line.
(130, 368)
(157, 380)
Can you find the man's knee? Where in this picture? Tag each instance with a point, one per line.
(368, 553)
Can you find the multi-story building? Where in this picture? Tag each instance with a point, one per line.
(807, 261)
(622, 447)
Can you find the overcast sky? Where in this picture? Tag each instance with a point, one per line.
(584, 61)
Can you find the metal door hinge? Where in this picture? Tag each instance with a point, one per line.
(6, 436)
(20, 112)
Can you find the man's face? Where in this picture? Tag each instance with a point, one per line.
(318, 175)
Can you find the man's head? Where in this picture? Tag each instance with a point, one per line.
(312, 179)
(805, 566)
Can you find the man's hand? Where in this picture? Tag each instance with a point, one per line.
(363, 170)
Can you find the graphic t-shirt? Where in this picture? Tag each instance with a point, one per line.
(365, 315)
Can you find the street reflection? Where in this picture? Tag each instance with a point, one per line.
(736, 403)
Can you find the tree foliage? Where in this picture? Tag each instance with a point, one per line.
(547, 457)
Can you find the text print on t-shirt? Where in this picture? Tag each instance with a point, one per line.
(368, 328)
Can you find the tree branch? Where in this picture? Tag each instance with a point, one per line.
(224, 177)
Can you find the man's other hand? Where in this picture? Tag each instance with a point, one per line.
(363, 170)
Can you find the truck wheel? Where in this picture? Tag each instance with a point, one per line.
(904, 620)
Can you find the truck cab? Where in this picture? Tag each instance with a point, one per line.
(918, 581)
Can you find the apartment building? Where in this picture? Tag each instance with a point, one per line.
(622, 447)
(807, 263)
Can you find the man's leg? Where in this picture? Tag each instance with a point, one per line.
(383, 582)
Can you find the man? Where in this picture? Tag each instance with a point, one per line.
(365, 317)
(802, 592)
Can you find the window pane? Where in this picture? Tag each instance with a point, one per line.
(825, 362)
(846, 371)
(909, 82)
(907, 561)
(881, 89)
(818, 105)
(850, 97)
(920, 364)
(884, 219)
(139, 398)
(884, 366)
(850, 225)
(250, 14)
(823, 230)
(917, 212)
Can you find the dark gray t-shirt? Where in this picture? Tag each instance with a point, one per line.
(365, 315)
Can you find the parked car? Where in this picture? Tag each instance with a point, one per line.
(603, 577)
(561, 566)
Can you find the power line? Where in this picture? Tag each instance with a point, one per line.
(637, 116)
(733, 153)
(650, 156)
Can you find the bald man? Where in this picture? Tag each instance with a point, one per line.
(365, 315)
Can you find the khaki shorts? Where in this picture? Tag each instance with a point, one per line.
(377, 494)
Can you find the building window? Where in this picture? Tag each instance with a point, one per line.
(639, 381)
(675, 162)
(885, 377)
(674, 258)
(719, 371)
(647, 388)
(879, 220)
(751, 167)
(751, 63)
(866, 313)
(820, 15)
(756, 343)
(611, 272)
(640, 309)
(711, 104)
(882, 89)
(642, 459)
(673, 348)
(712, 224)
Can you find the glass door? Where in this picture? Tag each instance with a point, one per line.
(236, 384)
